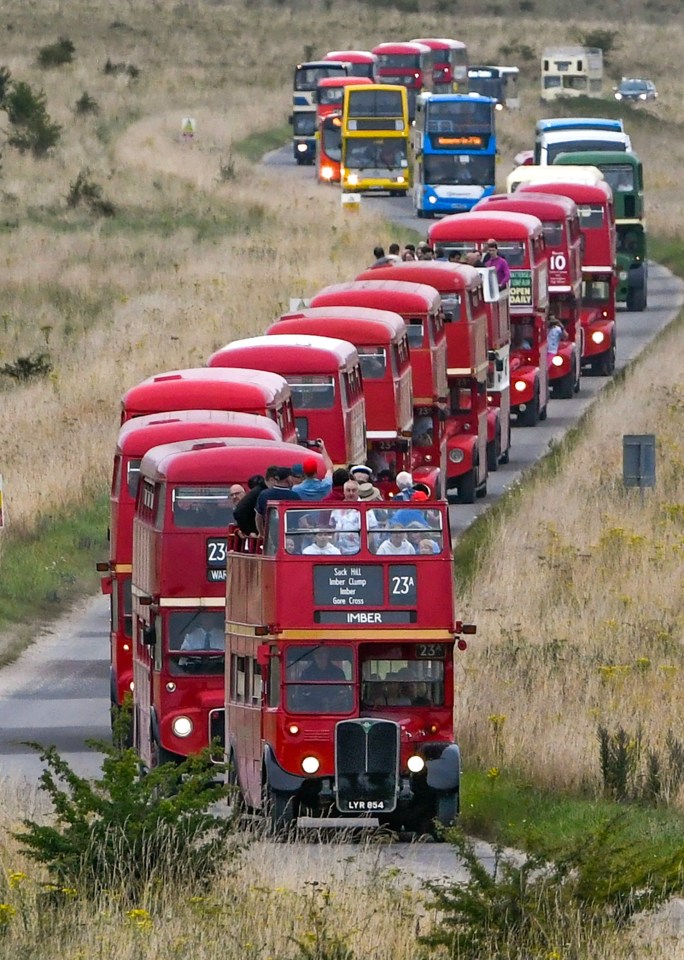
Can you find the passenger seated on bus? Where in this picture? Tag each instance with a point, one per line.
(427, 547)
(396, 544)
(422, 432)
(419, 692)
(395, 693)
(205, 632)
(202, 510)
(322, 544)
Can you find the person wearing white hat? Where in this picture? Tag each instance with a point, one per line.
(361, 472)
(404, 482)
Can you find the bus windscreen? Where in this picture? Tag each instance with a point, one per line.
(459, 117)
(375, 103)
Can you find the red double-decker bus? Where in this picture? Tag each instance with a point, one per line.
(420, 307)
(329, 149)
(243, 391)
(330, 94)
(449, 64)
(136, 438)
(460, 366)
(406, 64)
(182, 514)
(362, 62)
(324, 375)
(343, 706)
(381, 341)
(599, 275)
(520, 239)
(477, 325)
(563, 240)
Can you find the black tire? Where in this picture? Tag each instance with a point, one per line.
(467, 486)
(420, 214)
(636, 299)
(505, 456)
(236, 796)
(447, 809)
(530, 415)
(604, 365)
(494, 453)
(564, 389)
(278, 810)
(482, 490)
(161, 756)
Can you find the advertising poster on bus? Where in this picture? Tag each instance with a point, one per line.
(521, 288)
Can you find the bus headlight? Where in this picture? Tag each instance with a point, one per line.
(182, 726)
(598, 336)
(302, 148)
(499, 106)
(310, 764)
(456, 456)
(353, 179)
(401, 180)
(171, 686)
(415, 763)
(618, 96)
(326, 173)
(557, 360)
(432, 199)
(520, 386)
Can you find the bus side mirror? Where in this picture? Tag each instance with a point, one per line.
(149, 635)
(263, 654)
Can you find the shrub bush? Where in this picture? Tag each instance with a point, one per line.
(584, 893)
(32, 130)
(33, 367)
(84, 190)
(85, 105)
(56, 54)
(127, 830)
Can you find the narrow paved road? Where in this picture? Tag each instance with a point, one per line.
(58, 691)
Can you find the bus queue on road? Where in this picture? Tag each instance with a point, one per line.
(316, 655)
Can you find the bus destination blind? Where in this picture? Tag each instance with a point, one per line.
(358, 593)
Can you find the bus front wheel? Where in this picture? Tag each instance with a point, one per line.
(278, 810)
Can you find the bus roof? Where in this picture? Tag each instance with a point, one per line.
(586, 136)
(218, 460)
(579, 192)
(532, 173)
(382, 293)
(139, 435)
(311, 64)
(596, 157)
(359, 325)
(485, 224)
(427, 97)
(443, 276)
(400, 46)
(344, 81)
(578, 123)
(288, 353)
(440, 43)
(351, 56)
(544, 206)
(204, 387)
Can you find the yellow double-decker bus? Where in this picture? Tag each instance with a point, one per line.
(375, 139)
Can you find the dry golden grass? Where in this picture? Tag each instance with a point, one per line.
(580, 614)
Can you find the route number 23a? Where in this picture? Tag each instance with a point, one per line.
(558, 261)
(402, 585)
